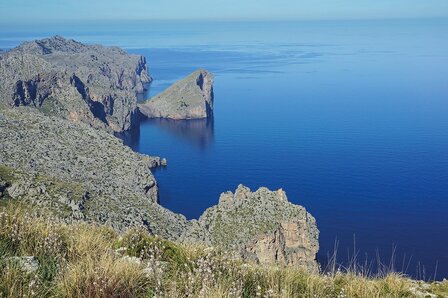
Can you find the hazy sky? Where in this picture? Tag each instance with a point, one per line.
(16, 11)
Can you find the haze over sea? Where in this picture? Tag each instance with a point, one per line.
(348, 117)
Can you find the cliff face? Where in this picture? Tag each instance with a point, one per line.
(90, 84)
(261, 226)
(189, 98)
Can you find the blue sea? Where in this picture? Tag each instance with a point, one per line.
(350, 118)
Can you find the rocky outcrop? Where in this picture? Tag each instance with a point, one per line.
(84, 83)
(28, 264)
(190, 98)
(261, 226)
(77, 172)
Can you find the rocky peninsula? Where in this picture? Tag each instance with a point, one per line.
(59, 102)
(189, 98)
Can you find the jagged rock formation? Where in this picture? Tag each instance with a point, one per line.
(261, 226)
(190, 98)
(80, 173)
(83, 83)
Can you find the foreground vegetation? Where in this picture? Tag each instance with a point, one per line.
(82, 260)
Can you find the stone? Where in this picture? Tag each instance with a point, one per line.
(29, 264)
(189, 98)
(132, 260)
(288, 245)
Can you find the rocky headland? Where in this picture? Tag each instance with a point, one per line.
(84, 83)
(189, 98)
(59, 101)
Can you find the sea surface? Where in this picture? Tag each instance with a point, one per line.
(350, 118)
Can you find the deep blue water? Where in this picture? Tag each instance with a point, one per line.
(349, 118)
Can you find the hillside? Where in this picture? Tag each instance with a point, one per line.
(42, 258)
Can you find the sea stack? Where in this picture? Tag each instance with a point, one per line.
(189, 98)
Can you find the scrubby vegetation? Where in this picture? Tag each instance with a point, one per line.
(83, 260)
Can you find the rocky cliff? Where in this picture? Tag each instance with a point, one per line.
(190, 98)
(261, 226)
(84, 83)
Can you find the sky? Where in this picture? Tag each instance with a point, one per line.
(31, 11)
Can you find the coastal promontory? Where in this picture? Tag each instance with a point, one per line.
(189, 98)
(61, 77)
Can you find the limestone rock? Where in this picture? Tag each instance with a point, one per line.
(262, 226)
(288, 245)
(29, 264)
(154, 161)
(84, 83)
(190, 98)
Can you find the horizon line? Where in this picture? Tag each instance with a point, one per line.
(229, 19)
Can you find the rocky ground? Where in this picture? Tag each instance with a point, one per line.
(190, 98)
(80, 173)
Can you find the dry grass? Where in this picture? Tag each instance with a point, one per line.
(103, 277)
(82, 260)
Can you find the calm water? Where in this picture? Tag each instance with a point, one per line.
(350, 118)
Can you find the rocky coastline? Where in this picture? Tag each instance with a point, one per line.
(59, 102)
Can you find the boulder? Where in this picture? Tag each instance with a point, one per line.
(29, 264)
